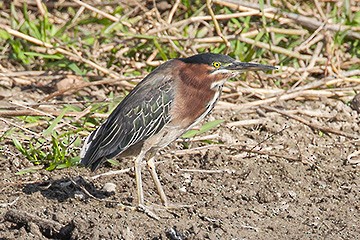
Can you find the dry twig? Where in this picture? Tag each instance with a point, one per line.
(312, 125)
(217, 27)
(272, 13)
(65, 52)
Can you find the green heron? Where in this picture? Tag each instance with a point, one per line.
(164, 105)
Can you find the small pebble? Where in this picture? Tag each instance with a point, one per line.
(65, 184)
(182, 189)
(355, 103)
(174, 234)
(187, 177)
(109, 187)
(79, 195)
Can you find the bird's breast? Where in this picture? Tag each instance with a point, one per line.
(191, 105)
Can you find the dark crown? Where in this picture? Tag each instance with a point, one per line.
(207, 58)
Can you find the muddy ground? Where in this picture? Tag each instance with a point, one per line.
(277, 179)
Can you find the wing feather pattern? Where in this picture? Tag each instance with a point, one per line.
(143, 113)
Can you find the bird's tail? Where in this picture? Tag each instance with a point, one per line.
(93, 165)
(87, 153)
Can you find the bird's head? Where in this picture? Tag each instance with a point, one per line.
(216, 68)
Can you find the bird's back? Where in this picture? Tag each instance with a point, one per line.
(142, 113)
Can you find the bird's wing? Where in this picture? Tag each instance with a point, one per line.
(141, 114)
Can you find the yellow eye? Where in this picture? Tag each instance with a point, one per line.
(216, 64)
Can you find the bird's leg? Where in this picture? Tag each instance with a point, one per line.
(139, 186)
(152, 170)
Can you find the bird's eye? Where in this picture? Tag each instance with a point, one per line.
(216, 64)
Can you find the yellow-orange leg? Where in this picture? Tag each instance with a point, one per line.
(139, 186)
(152, 170)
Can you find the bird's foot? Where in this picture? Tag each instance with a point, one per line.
(148, 211)
(169, 206)
(173, 206)
(125, 207)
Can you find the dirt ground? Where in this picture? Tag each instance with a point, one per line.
(278, 179)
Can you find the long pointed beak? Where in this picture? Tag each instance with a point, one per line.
(244, 66)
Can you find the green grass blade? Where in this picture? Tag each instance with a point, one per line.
(210, 125)
(56, 121)
(18, 146)
(48, 56)
(28, 170)
(204, 128)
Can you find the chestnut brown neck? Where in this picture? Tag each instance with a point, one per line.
(193, 93)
